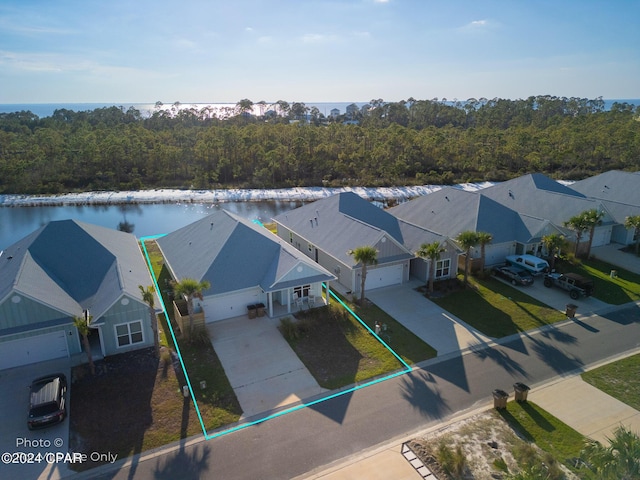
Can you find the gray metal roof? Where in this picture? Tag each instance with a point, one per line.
(539, 196)
(345, 221)
(72, 266)
(450, 211)
(234, 254)
(619, 192)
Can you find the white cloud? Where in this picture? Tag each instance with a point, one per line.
(319, 38)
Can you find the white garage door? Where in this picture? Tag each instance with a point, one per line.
(383, 277)
(229, 306)
(33, 349)
(601, 236)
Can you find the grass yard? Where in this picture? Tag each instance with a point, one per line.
(335, 348)
(619, 290)
(498, 309)
(404, 342)
(619, 379)
(540, 427)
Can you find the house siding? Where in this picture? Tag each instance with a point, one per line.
(118, 314)
(24, 312)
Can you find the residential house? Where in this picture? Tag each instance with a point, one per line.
(619, 193)
(245, 265)
(328, 229)
(61, 271)
(451, 210)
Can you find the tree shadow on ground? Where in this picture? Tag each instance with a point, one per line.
(334, 408)
(184, 464)
(558, 335)
(500, 357)
(122, 389)
(625, 316)
(555, 358)
(423, 397)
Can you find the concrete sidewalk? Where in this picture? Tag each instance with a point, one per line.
(583, 407)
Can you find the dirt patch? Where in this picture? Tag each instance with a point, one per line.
(133, 403)
(492, 449)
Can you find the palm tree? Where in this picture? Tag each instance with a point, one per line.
(431, 251)
(148, 297)
(619, 460)
(467, 240)
(592, 218)
(553, 243)
(82, 324)
(190, 289)
(579, 225)
(634, 222)
(365, 255)
(484, 238)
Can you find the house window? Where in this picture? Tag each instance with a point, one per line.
(443, 267)
(129, 333)
(301, 292)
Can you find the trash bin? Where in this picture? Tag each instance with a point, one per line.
(500, 398)
(253, 311)
(260, 309)
(613, 273)
(520, 391)
(571, 310)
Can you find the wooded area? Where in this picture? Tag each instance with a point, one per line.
(397, 143)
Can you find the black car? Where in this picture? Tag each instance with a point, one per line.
(516, 276)
(47, 402)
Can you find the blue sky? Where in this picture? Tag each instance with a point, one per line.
(316, 50)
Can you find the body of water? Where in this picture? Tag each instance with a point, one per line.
(47, 109)
(154, 219)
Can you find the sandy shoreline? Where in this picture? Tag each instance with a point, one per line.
(221, 196)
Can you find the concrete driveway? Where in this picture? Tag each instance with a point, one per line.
(264, 371)
(16, 437)
(558, 299)
(435, 326)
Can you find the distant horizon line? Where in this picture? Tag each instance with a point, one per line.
(452, 99)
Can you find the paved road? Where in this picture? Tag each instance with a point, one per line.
(299, 442)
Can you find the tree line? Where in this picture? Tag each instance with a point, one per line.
(284, 145)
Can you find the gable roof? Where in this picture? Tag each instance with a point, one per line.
(539, 196)
(450, 211)
(345, 221)
(233, 254)
(71, 266)
(618, 191)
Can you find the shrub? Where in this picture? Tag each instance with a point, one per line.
(452, 461)
(201, 337)
(289, 329)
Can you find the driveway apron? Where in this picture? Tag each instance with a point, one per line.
(263, 370)
(435, 326)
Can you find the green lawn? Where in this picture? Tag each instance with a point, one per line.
(404, 342)
(617, 291)
(540, 427)
(498, 309)
(619, 379)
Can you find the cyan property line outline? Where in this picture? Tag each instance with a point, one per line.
(300, 406)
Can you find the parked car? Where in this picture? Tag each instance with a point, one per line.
(47, 403)
(516, 276)
(576, 285)
(529, 262)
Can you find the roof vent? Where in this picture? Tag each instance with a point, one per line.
(311, 221)
(447, 198)
(511, 194)
(316, 219)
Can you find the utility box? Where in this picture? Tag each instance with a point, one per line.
(500, 399)
(521, 391)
